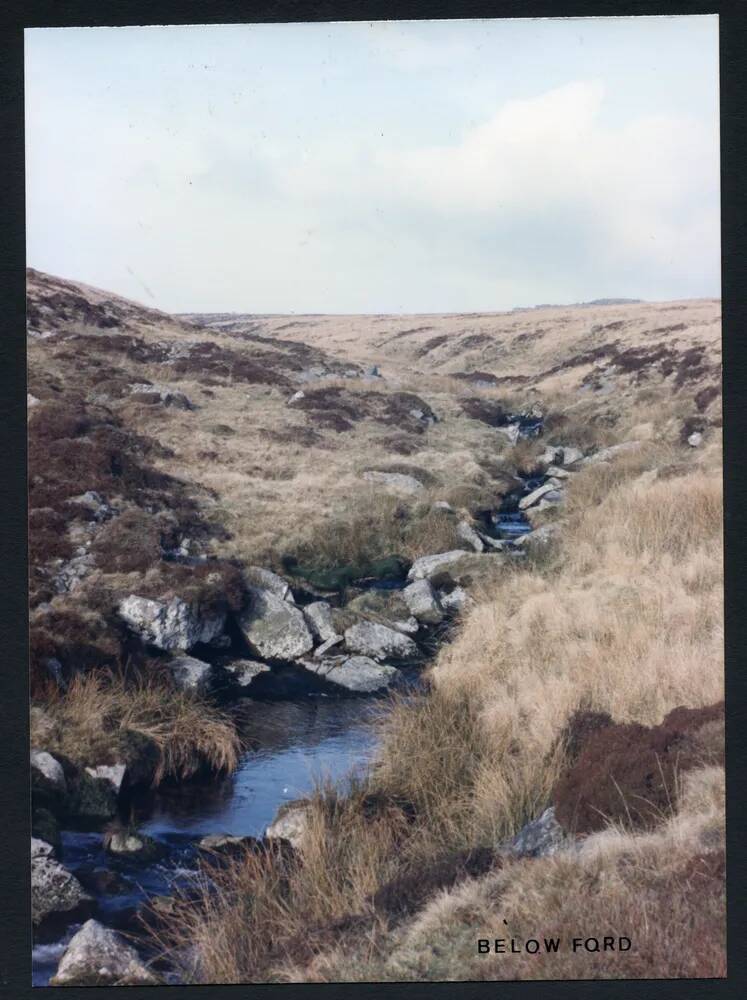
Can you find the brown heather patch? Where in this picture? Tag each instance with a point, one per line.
(339, 408)
(487, 411)
(629, 774)
(431, 345)
(705, 396)
(409, 891)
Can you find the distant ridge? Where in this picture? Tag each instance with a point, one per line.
(580, 305)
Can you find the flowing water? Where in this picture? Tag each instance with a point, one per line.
(293, 743)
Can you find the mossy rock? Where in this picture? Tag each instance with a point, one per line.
(44, 825)
(380, 604)
(341, 577)
(93, 799)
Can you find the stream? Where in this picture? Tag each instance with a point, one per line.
(294, 741)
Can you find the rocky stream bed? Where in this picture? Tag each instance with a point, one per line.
(293, 669)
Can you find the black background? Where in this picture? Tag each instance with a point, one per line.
(15, 921)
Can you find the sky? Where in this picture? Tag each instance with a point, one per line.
(400, 166)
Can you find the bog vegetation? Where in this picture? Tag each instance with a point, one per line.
(588, 676)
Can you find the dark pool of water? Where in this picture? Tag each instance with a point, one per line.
(297, 744)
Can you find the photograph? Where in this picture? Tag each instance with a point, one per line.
(375, 501)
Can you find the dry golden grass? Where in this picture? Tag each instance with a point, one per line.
(663, 890)
(623, 614)
(99, 707)
(625, 617)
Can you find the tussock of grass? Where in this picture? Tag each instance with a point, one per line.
(624, 617)
(98, 709)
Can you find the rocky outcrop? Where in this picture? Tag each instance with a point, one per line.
(326, 646)
(92, 799)
(423, 602)
(358, 674)
(467, 534)
(541, 838)
(191, 674)
(225, 843)
(265, 579)
(169, 625)
(98, 956)
(155, 392)
(54, 889)
(371, 639)
(428, 566)
(546, 491)
(456, 600)
(318, 615)
(291, 824)
(605, 454)
(113, 773)
(540, 536)
(398, 481)
(47, 771)
(245, 672)
(273, 628)
(129, 843)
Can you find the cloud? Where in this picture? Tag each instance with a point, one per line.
(547, 198)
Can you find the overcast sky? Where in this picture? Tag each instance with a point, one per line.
(386, 167)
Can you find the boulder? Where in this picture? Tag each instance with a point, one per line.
(552, 455)
(468, 534)
(265, 579)
(113, 773)
(358, 674)
(511, 432)
(326, 646)
(225, 843)
(245, 672)
(162, 393)
(169, 625)
(422, 601)
(32, 400)
(296, 397)
(397, 481)
(95, 504)
(379, 642)
(93, 799)
(409, 626)
(557, 472)
(470, 569)
(499, 544)
(695, 439)
(443, 505)
(428, 566)
(273, 628)
(318, 615)
(53, 888)
(456, 600)
(191, 674)
(99, 956)
(536, 495)
(385, 606)
(541, 838)
(47, 772)
(290, 823)
(571, 455)
(605, 454)
(127, 843)
(540, 536)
